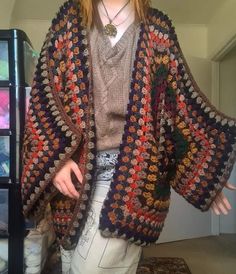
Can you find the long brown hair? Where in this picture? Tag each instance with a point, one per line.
(90, 13)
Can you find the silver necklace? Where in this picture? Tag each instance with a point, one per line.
(110, 28)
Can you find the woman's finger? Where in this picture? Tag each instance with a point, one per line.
(58, 187)
(222, 208)
(77, 172)
(71, 187)
(215, 208)
(65, 190)
(225, 201)
(230, 186)
(220, 204)
(56, 184)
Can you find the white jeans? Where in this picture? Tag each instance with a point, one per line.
(95, 254)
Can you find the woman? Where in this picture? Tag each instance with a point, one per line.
(116, 119)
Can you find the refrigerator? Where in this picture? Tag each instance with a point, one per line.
(17, 64)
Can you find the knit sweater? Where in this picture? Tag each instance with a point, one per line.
(111, 81)
(173, 136)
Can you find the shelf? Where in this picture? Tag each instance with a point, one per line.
(4, 237)
(5, 132)
(5, 84)
(5, 181)
(17, 64)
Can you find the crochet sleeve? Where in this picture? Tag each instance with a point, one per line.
(48, 142)
(204, 139)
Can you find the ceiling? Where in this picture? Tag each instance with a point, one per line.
(180, 11)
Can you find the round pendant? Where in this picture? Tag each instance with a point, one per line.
(110, 30)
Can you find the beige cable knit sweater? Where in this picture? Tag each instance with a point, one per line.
(112, 70)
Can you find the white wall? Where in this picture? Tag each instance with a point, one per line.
(193, 41)
(193, 38)
(6, 7)
(35, 29)
(228, 83)
(222, 27)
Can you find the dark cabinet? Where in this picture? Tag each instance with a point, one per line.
(17, 63)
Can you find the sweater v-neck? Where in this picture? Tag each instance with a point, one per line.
(120, 43)
(110, 51)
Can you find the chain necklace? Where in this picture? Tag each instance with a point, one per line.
(110, 28)
(121, 22)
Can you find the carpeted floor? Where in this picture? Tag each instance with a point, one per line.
(205, 255)
(163, 265)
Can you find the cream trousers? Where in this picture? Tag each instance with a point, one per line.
(95, 254)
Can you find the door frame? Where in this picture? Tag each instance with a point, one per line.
(215, 99)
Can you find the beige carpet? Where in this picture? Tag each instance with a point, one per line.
(207, 255)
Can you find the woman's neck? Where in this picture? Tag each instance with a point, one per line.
(112, 6)
(115, 3)
(123, 20)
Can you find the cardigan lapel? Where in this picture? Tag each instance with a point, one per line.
(72, 89)
(140, 90)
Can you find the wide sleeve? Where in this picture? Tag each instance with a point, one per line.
(204, 139)
(48, 141)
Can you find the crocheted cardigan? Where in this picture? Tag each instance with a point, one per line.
(173, 136)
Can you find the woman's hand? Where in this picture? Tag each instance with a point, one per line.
(221, 203)
(62, 180)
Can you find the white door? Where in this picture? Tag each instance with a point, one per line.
(227, 104)
(184, 221)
